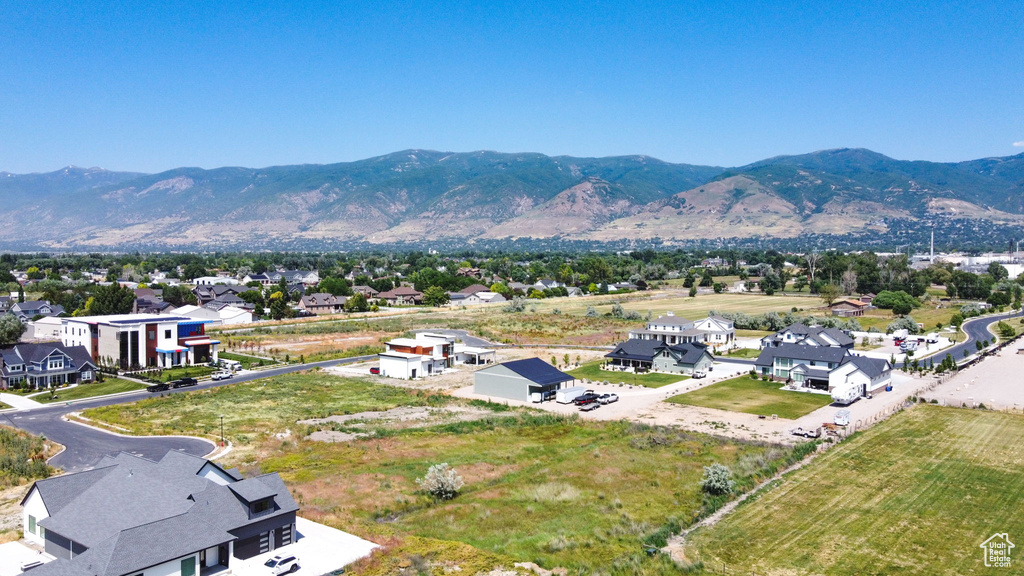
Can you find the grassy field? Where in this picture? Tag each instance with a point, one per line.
(540, 487)
(684, 306)
(245, 359)
(256, 409)
(22, 457)
(915, 495)
(593, 371)
(927, 315)
(746, 394)
(108, 386)
(549, 489)
(169, 374)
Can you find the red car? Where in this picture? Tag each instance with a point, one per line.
(375, 370)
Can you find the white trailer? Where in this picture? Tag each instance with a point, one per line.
(567, 395)
(844, 395)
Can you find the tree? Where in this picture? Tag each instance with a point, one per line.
(717, 480)
(193, 271)
(441, 481)
(829, 293)
(11, 329)
(812, 263)
(335, 286)
(435, 296)
(279, 306)
(799, 283)
(112, 299)
(849, 281)
(693, 291)
(357, 303)
(34, 273)
(178, 295)
(997, 271)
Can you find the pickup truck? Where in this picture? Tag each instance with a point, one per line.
(158, 388)
(588, 398)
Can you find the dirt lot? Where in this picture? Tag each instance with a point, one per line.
(399, 418)
(995, 382)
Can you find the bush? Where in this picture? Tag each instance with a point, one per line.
(717, 480)
(441, 482)
(518, 304)
(591, 312)
(907, 322)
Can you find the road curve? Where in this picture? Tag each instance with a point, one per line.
(85, 446)
(977, 331)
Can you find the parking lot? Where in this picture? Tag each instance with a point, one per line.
(995, 382)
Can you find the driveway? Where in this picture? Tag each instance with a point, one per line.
(320, 550)
(14, 554)
(85, 446)
(20, 402)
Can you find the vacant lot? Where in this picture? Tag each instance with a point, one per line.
(539, 487)
(108, 386)
(915, 495)
(22, 457)
(682, 305)
(593, 371)
(753, 396)
(258, 409)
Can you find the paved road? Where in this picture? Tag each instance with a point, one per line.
(86, 446)
(467, 338)
(977, 330)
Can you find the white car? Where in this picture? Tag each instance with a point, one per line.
(221, 375)
(608, 398)
(282, 564)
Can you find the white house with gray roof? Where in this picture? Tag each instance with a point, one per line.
(181, 516)
(672, 329)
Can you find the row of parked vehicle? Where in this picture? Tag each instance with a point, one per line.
(590, 400)
(180, 383)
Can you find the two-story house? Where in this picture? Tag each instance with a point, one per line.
(424, 355)
(44, 365)
(672, 329)
(809, 336)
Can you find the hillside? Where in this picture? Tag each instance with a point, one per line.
(420, 195)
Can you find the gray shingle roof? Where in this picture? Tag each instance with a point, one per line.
(132, 513)
(635, 349)
(800, 352)
(873, 367)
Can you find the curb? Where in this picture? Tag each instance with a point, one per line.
(66, 419)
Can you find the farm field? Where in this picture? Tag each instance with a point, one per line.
(593, 371)
(914, 495)
(754, 396)
(540, 487)
(108, 386)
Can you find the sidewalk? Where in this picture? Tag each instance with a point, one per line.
(19, 402)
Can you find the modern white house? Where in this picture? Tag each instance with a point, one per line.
(809, 336)
(825, 368)
(142, 340)
(410, 358)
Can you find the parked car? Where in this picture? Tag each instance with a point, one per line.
(221, 375)
(158, 388)
(588, 398)
(609, 398)
(374, 370)
(699, 374)
(282, 564)
(588, 407)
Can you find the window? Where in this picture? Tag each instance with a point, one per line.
(260, 506)
(167, 333)
(151, 334)
(31, 524)
(188, 566)
(56, 363)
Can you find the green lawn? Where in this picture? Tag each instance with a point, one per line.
(742, 353)
(745, 394)
(915, 495)
(4, 406)
(245, 359)
(593, 371)
(108, 386)
(169, 374)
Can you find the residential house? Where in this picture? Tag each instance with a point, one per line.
(304, 277)
(367, 291)
(424, 355)
(44, 365)
(26, 311)
(322, 303)
(860, 372)
(214, 280)
(462, 299)
(140, 340)
(209, 293)
(547, 284)
(261, 279)
(402, 295)
(672, 329)
(6, 302)
(848, 308)
(233, 314)
(654, 355)
(867, 298)
(810, 336)
(778, 361)
(519, 287)
(46, 328)
(473, 289)
(179, 516)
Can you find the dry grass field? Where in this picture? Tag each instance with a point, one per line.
(915, 495)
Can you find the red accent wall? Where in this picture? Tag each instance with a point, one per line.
(151, 330)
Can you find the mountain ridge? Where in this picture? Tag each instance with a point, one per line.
(424, 195)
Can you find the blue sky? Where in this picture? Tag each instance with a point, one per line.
(150, 86)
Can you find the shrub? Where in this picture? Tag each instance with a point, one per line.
(441, 481)
(591, 312)
(518, 304)
(907, 322)
(717, 480)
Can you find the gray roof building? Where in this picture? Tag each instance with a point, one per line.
(130, 514)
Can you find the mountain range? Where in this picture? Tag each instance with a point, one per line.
(419, 196)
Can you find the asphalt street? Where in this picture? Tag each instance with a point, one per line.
(86, 446)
